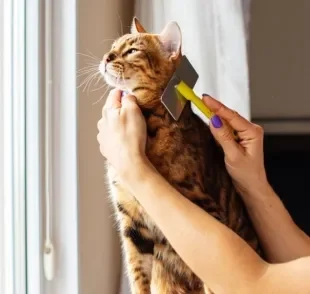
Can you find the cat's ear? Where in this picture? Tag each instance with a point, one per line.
(171, 38)
(136, 27)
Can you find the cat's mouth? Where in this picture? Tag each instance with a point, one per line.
(112, 77)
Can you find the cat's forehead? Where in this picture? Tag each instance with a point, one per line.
(141, 40)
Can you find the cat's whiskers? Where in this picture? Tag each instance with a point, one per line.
(93, 55)
(90, 70)
(86, 70)
(93, 63)
(106, 90)
(106, 40)
(121, 23)
(88, 80)
(98, 79)
(89, 56)
(97, 89)
(94, 76)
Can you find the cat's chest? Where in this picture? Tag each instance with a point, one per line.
(172, 150)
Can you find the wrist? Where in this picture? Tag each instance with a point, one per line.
(261, 192)
(249, 185)
(134, 168)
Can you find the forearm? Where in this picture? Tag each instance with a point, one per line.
(280, 237)
(217, 255)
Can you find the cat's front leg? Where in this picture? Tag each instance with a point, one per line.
(164, 280)
(137, 241)
(138, 249)
(170, 275)
(138, 263)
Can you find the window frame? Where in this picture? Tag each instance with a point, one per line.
(33, 148)
(63, 147)
(12, 92)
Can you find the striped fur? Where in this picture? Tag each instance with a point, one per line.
(184, 152)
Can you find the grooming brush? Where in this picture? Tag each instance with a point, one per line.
(179, 91)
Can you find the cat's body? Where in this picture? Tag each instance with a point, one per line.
(185, 154)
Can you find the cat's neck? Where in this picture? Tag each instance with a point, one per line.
(151, 106)
(148, 99)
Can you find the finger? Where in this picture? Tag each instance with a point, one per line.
(237, 122)
(224, 136)
(113, 99)
(129, 101)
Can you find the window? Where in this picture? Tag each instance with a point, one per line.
(22, 146)
(51, 65)
(12, 105)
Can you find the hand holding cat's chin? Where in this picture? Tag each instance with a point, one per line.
(122, 133)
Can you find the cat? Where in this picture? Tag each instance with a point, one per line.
(184, 152)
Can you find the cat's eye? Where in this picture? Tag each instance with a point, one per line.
(130, 51)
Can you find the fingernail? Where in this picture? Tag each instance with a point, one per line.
(216, 121)
(205, 95)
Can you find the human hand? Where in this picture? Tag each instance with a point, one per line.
(244, 159)
(122, 131)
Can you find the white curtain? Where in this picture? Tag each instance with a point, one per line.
(214, 40)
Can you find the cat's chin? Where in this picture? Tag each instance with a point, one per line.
(117, 86)
(116, 83)
(110, 80)
(113, 82)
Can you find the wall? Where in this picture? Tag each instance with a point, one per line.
(279, 64)
(99, 244)
(279, 77)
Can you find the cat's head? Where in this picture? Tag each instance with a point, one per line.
(142, 63)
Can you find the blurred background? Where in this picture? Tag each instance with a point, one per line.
(251, 55)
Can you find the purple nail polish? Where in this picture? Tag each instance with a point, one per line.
(216, 121)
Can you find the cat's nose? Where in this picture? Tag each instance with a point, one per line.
(110, 57)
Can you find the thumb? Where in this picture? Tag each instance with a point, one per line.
(129, 100)
(223, 135)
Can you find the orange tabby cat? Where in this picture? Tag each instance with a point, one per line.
(184, 152)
